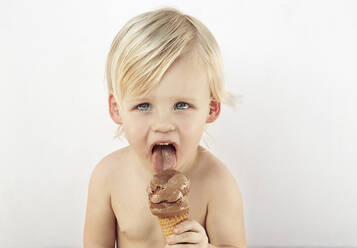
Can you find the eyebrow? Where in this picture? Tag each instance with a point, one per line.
(146, 99)
(186, 99)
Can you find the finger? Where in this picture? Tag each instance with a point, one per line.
(186, 237)
(188, 225)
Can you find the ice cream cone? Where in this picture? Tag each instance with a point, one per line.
(168, 223)
(168, 199)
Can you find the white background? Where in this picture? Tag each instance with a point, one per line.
(291, 143)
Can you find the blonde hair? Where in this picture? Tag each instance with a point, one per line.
(149, 43)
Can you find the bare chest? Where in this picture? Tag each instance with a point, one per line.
(137, 227)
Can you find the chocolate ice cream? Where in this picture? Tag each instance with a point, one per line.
(168, 194)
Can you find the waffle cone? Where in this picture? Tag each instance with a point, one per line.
(168, 223)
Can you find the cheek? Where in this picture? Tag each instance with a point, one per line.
(134, 130)
(192, 127)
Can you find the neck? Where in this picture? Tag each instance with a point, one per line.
(191, 162)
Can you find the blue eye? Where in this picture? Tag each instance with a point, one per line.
(182, 105)
(143, 107)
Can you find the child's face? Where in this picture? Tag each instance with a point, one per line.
(176, 111)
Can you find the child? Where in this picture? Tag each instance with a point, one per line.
(165, 83)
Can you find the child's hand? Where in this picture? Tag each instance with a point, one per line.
(189, 233)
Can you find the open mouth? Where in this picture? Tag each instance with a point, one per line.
(163, 157)
(163, 145)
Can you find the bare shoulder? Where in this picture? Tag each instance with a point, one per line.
(111, 162)
(222, 183)
(216, 172)
(113, 159)
(225, 197)
(100, 224)
(105, 173)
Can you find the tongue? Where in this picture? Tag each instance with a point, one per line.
(163, 158)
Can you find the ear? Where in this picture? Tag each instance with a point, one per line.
(114, 110)
(214, 110)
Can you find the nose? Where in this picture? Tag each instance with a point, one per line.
(162, 122)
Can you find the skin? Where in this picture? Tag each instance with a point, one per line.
(117, 209)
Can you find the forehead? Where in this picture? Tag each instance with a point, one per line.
(185, 77)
